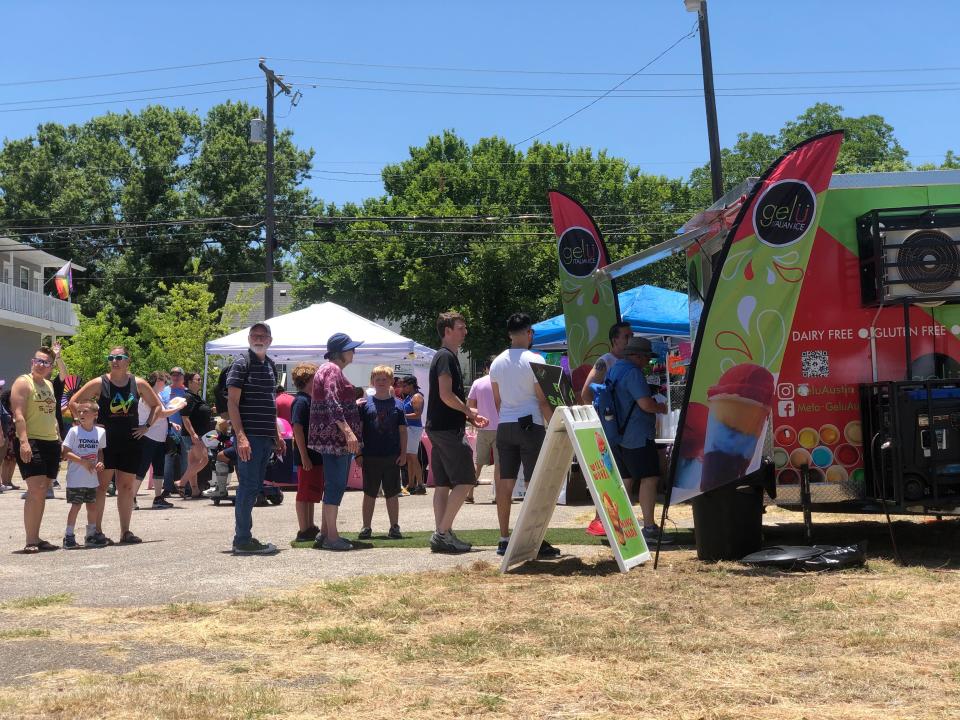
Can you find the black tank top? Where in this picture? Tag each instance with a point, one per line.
(118, 407)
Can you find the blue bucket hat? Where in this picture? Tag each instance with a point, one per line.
(340, 342)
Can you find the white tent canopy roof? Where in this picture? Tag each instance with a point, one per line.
(302, 335)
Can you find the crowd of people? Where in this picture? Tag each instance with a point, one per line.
(125, 425)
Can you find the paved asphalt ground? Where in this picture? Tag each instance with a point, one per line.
(186, 555)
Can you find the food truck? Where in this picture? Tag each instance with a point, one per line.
(864, 410)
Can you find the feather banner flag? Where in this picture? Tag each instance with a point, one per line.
(64, 281)
(745, 321)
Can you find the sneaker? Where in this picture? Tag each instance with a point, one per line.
(502, 547)
(338, 545)
(448, 543)
(159, 503)
(318, 543)
(112, 489)
(650, 533)
(308, 535)
(595, 528)
(70, 542)
(404, 492)
(212, 492)
(128, 538)
(394, 533)
(97, 539)
(364, 534)
(547, 550)
(254, 547)
(56, 483)
(421, 490)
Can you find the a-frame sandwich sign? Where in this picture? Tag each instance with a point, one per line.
(576, 430)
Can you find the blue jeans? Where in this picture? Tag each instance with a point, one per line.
(175, 466)
(336, 470)
(250, 476)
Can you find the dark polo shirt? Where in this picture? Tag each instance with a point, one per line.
(258, 383)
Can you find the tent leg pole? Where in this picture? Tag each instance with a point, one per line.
(206, 359)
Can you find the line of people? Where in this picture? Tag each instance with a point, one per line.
(123, 420)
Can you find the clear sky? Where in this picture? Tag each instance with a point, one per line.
(490, 69)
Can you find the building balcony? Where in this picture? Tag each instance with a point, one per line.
(34, 311)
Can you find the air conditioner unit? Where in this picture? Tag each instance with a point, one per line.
(910, 255)
(921, 264)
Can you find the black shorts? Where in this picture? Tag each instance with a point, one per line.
(451, 458)
(642, 462)
(45, 460)
(81, 495)
(122, 454)
(152, 452)
(381, 472)
(517, 446)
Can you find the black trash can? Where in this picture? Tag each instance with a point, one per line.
(728, 522)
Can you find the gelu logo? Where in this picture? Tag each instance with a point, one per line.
(784, 212)
(579, 252)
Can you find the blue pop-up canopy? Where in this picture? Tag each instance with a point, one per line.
(649, 310)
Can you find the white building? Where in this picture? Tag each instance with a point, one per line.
(27, 311)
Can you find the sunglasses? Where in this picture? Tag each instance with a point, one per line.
(44, 363)
(117, 358)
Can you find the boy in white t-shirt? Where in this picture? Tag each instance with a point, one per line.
(83, 449)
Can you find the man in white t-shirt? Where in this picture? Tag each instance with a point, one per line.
(524, 413)
(83, 449)
(620, 334)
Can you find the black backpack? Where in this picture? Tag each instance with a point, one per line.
(220, 391)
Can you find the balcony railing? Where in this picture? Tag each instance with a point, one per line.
(36, 305)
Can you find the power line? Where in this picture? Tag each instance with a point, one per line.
(136, 99)
(129, 92)
(123, 72)
(514, 71)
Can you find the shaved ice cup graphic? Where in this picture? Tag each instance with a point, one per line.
(739, 406)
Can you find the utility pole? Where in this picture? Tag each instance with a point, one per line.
(270, 215)
(709, 98)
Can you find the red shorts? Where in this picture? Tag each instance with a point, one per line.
(310, 484)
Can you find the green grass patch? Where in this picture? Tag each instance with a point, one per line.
(344, 635)
(38, 601)
(21, 633)
(487, 538)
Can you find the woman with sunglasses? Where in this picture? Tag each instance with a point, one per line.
(37, 442)
(118, 393)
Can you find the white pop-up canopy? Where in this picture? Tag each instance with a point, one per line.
(302, 335)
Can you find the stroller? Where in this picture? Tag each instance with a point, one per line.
(223, 455)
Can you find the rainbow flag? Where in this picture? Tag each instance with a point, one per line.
(64, 281)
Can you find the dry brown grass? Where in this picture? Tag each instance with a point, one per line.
(576, 639)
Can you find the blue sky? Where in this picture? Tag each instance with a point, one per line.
(801, 47)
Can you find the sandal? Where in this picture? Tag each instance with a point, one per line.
(43, 546)
(30, 549)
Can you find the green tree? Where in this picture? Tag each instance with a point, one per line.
(159, 165)
(869, 145)
(490, 249)
(175, 328)
(85, 353)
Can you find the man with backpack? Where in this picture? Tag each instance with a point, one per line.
(619, 335)
(630, 422)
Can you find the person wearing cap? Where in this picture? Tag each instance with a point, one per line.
(637, 443)
(335, 433)
(251, 384)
